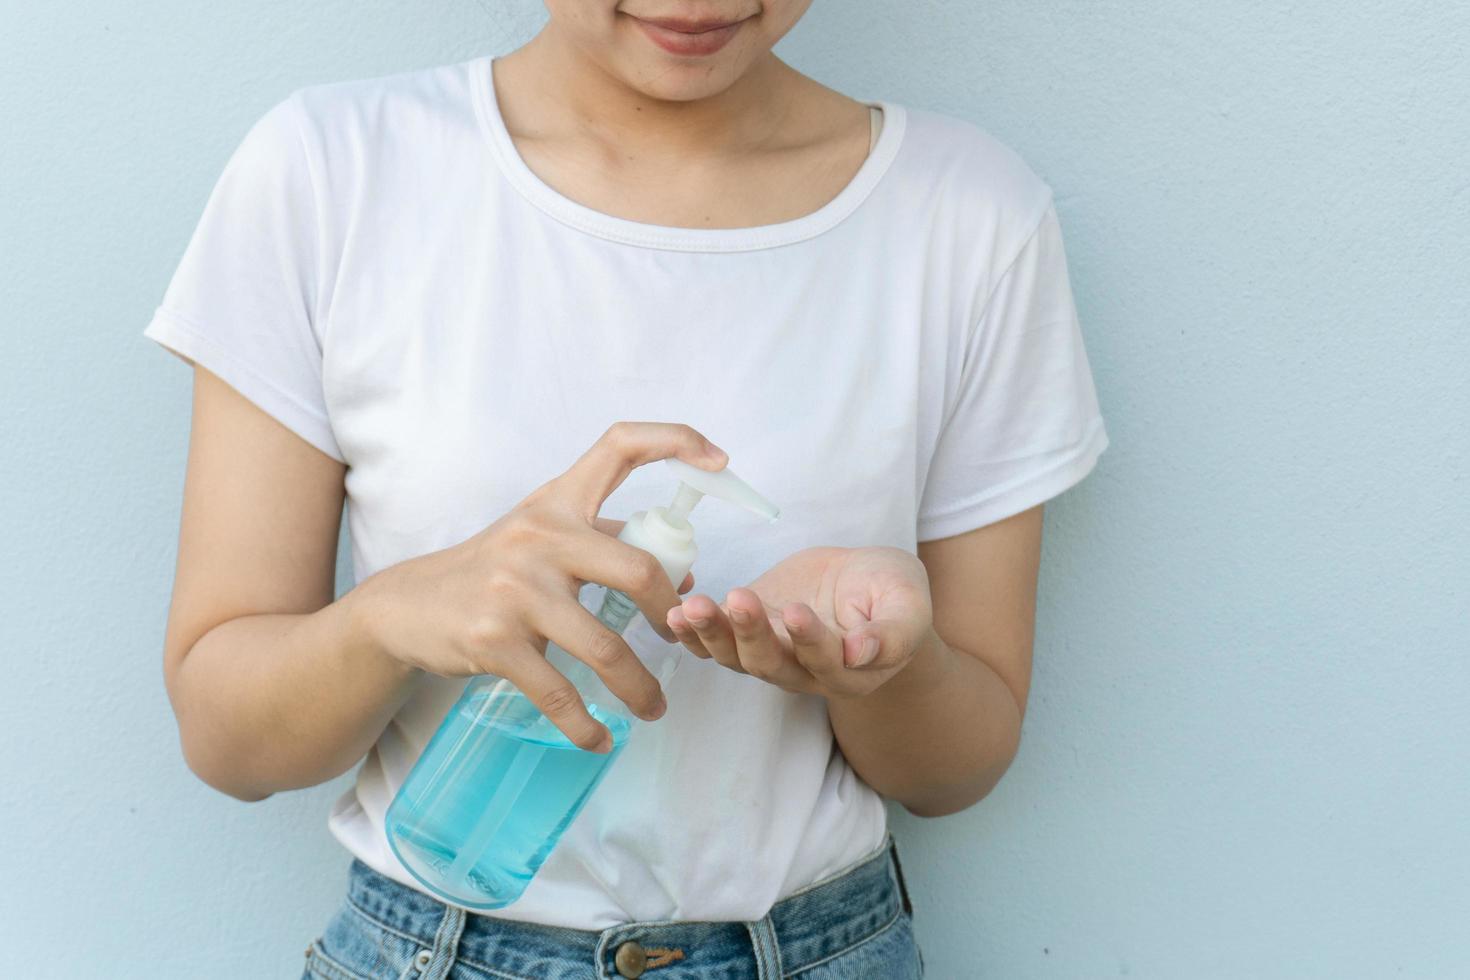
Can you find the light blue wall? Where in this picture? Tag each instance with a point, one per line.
(1248, 752)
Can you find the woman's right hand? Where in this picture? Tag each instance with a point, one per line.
(489, 604)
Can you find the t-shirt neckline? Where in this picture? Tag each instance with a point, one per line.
(613, 228)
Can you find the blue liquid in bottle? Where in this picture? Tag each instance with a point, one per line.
(498, 784)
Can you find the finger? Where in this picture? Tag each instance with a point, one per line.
(627, 445)
(713, 630)
(594, 557)
(608, 526)
(549, 690)
(611, 527)
(882, 644)
(816, 647)
(760, 650)
(570, 626)
(685, 634)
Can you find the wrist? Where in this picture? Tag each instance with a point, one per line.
(360, 614)
(929, 667)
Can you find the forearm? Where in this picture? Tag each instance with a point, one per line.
(937, 736)
(275, 702)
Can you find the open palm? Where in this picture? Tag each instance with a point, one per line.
(831, 621)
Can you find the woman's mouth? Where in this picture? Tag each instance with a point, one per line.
(689, 37)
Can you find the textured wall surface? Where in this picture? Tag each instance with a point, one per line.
(1248, 747)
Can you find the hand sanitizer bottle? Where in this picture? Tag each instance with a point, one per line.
(498, 784)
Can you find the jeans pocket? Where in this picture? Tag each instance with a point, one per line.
(888, 954)
(321, 966)
(355, 946)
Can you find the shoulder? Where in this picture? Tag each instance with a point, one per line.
(346, 138)
(976, 199)
(969, 176)
(431, 91)
(969, 164)
(354, 115)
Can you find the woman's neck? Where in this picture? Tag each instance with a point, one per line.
(772, 146)
(559, 86)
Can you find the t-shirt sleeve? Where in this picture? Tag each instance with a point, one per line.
(1023, 423)
(242, 302)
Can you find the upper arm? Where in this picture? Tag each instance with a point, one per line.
(1021, 425)
(983, 586)
(260, 518)
(263, 487)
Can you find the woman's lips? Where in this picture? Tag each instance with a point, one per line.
(689, 37)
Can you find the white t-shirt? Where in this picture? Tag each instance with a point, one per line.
(379, 270)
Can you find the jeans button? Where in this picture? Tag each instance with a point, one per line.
(630, 960)
(424, 958)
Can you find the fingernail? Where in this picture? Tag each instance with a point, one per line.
(866, 652)
(740, 615)
(606, 744)
(659, 709)
(697, 621)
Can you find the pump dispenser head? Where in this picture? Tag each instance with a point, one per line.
(665, 532)
(695, 483)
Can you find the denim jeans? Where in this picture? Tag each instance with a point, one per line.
(855, 925)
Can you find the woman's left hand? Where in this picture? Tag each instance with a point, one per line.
(837, 622)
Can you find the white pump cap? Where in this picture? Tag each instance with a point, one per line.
(665, 532)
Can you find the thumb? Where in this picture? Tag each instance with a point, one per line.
(881, 644)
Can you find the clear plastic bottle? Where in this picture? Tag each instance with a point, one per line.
(498, 784)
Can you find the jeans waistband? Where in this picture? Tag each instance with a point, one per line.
(801, 930)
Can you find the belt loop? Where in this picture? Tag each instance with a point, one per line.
(767, 950)
(903, 890)
(446, 944)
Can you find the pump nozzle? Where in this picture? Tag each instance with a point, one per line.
(665, 532)
(695, 483)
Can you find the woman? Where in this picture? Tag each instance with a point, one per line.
(441, 296)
